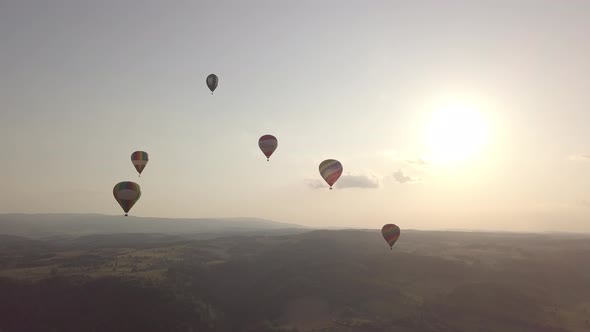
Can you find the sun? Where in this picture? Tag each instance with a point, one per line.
(456, 132)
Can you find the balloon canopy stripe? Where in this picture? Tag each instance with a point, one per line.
(139, 159)
(390, 233)
(127, 185)
(331, 170)
(139, 155)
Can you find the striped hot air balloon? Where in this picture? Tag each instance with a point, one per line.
(268, 144)
(330, 170)
(390, 233)
(212, 81)
(127, 193)
(139, 160)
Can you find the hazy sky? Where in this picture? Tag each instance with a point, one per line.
(445, 114)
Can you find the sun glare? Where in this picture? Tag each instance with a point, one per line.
(456, 132)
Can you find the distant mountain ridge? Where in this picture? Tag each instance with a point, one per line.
(44, 225)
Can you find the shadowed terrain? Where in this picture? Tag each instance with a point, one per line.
(338, 280)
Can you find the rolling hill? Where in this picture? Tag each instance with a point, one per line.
(48, 225)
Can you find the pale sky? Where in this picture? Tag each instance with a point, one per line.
(374, 84)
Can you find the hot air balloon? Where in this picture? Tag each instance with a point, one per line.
(127, 194)
(390, 233)
(139, 160)
(212, 81)
(330, 170)
(268, 144)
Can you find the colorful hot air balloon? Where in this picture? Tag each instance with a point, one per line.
(268, 144)
(390, 233)
(330, 170)
(212, 81)
(139, 160)
(127, 194)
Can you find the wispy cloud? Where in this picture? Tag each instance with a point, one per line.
(360, 181)
(580, 157)
(400, 177)
(418, 161)
(366, 180)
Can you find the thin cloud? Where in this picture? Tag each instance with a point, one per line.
(580, 157)
(400, 177)
(368, 181)
(418, 161)
(359, 181)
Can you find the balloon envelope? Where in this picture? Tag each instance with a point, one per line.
(390, 233)
(268, 144)
(127, 193)
(139, 160)
(330, 170)
(212, 81)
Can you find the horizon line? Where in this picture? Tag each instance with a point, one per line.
(313, 228)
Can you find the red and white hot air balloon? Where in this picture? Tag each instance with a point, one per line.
(330, 170)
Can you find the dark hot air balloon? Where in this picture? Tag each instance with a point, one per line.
(390, 233)
(127, 193)
(212, 81)
(268, 144)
